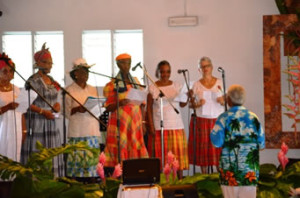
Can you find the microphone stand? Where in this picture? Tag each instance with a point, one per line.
(194, 126)
(161, 94)
(224, 89)
(29, 86)
(117, 108)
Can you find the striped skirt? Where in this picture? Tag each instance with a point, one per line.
(48, 135)
(206, 153)
(83, 163)
(174, 141)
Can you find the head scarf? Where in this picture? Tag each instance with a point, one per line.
(123, 56)
(5, 60)
(42, 54)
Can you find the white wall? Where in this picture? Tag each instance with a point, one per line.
(230, 32)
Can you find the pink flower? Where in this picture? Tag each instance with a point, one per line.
(117, 172)
(282, 159)
(102, 158)
(284, 148)
(175, 167)
(100, 171)
(170, 157)
(167, 171)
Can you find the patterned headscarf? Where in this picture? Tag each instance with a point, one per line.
(42, 54)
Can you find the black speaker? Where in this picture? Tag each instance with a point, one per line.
(141, 171)
(180, 191)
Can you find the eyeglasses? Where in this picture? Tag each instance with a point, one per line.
(205, 66)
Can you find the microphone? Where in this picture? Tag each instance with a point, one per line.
(136, 66)
(220, 69)
(179, 71)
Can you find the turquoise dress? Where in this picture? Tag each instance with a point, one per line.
(240, 134)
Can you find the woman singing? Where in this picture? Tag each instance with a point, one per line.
(208, 104)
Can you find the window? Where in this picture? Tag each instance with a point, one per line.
(101, 47)
(21, 46)
(18, 46)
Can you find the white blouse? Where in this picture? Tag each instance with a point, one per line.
(171, 120)
(10, 127)
(211, 109)
(81, 124)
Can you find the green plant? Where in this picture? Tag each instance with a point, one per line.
(293, 108)
(275, 183)
(110, 187)
(36, 180)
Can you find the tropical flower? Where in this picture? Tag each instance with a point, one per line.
(102, 158)
(228, 175)
(282, 159)
(170, 157)
(167, 171)
(100, 168)
(100, 171)
(117, 172)
(284, 148)
(251, 176)
(175, 165)
(232, 182)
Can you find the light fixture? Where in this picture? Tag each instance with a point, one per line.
(184, 20)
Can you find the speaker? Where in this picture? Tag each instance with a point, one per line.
(141, 171)
(180, 191)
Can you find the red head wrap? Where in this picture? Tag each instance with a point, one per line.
(42, 54)
(5, 60)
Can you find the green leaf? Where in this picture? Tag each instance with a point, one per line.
(210, 186)
(269, 193)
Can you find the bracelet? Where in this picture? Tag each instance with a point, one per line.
(41, 111)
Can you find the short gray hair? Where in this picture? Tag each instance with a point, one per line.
(205, 58)
(237, 94)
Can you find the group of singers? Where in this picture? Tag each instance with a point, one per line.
(129, 122)
(134, 120)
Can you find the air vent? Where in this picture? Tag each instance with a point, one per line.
(183, 21)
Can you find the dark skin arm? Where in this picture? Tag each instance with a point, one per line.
(9, 106)
(78, 109)
(113, 107)
(46, 113)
